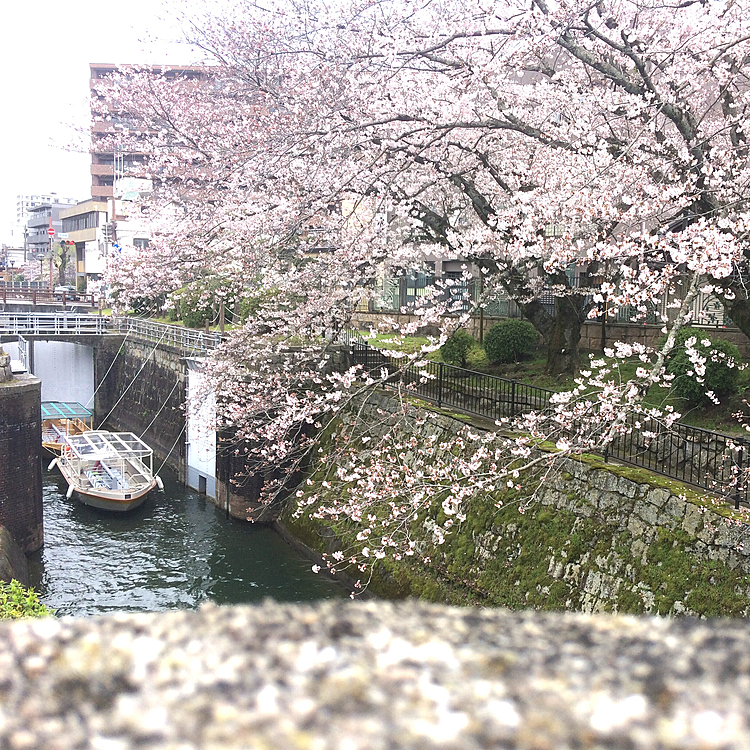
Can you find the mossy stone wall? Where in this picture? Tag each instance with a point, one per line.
(595, 537)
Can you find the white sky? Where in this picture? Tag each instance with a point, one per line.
(45, 50)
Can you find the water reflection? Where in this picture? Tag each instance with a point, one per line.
(175, 551)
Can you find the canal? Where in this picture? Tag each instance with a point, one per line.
(174, 552)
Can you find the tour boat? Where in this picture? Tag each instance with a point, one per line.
(60, 419)
(108, 470)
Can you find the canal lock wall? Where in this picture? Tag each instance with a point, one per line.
(594, 537)
(20, 472)
(141, 388)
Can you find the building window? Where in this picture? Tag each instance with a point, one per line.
(140, 244)
(82, 221)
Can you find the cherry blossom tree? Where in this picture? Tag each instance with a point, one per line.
(594, 149)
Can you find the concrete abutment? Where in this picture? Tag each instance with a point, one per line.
(20, 461)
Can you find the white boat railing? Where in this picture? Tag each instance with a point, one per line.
(53, 324)
(185, 339)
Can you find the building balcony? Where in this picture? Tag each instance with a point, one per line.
(103, 169)
(38, 221)
(100, 126)
(38, 243)
(102, 191)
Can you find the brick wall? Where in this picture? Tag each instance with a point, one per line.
(20, 461)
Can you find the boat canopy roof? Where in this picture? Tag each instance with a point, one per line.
(65, 410)
(102, 444)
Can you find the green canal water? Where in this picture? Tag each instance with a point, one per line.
(174, 552)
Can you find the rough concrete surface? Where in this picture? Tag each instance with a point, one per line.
(373, 675)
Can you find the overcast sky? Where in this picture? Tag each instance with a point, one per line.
(45, 51)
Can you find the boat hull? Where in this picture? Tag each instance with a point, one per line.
(112, 500)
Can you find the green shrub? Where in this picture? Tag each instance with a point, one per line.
(456, 349)
(17, 601)
(476, 359)
(510, 341)
(196, 305)
(722, 373)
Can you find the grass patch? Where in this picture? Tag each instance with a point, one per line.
(718, 418)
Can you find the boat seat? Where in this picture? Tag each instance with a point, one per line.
(99, 477)
(120, 482)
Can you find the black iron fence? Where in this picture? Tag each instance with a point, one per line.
(709, 460)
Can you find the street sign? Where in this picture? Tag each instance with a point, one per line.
(51, 232)
(63, 235)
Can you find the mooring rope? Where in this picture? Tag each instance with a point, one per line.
(112, 364)
(130, 385)
(184, 427)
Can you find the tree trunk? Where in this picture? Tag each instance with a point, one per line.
(738, 310)
(563, 353)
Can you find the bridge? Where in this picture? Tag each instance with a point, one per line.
(43, 295)
(67, 326)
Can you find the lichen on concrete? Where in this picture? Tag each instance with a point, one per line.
(373, 676)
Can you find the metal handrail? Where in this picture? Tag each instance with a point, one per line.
(693, 455)
(178, 337)
(53, 324)
(66, 324)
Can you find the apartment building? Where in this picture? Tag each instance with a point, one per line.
(25, 203)
(39, 218)
(117, 182)
(112, 171)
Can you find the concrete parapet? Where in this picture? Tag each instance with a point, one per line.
(373, 676)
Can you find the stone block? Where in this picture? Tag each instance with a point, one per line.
(555, 569)
(639, 549)
(658, 496)
(604, 480)
(706, 535)
(726, 535)
(626, 487)
(636, 526)
(646, 512)
(674, 509)
(693, 520)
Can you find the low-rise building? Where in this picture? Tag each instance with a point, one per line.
(86, 225)
(40, 218)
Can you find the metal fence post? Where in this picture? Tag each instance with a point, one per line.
(440, 384)
(512, 399)
(739, 475)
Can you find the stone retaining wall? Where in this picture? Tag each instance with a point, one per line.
(593, 537)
